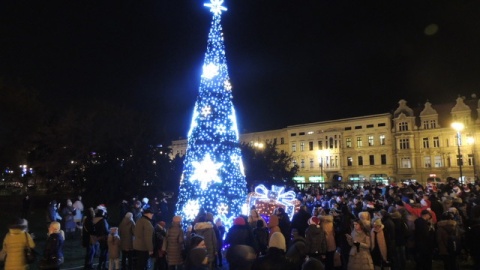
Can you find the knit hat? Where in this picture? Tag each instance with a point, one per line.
(195, 240)
(148, 211)
(277, 240)
(239, 221)
(19, 223)
(177, 219)
(314, 221)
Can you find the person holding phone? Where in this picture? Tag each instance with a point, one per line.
(359, 240)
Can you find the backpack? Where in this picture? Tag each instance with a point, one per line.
(454, 246)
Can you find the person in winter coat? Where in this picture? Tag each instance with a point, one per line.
(328, 228)
(360, 243)
(284, 224)
(366, 219)
(114, 248)
(126, 230)
(378, 245)
(300, 220)
(446, 227)
(68, 214)
(143, 241)
(254, 217)
(260, 233)
(173, 244)
(159, 255)
(424, 241)
(316, 240)
(241, 257)
(389, 232)
(101, 232)
(297, 251)
(198, 254)
(275, 258)
(401, 234)
(240, 234)
(14, 244)
(273, 224)
(221, 233)
(88, 231)
(205, 229)
(53, 251)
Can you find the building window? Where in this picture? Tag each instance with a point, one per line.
(348, 128)
(403, 126)
(275, 141)
(405, 163)
(360, 161)
(294, 162)
(358, 127)
(370, 140)
(436, 142)
(311, 163)
(382, 139)
(425, 143)
(383, 159)
(348, 142)
(438, 162)
(433, 124)
(404, 143)
(371, 159)
(359, 142)
(470, 160)
(293, 134)
(370, 126)
(425, 124)
(331, 143)
(282, 140)
(302, 146)
(427, 162)
(302, 163)
(294, 147)
(381, 125)
(301, 133)
(349, 161)
(310, 146)
(320, 145)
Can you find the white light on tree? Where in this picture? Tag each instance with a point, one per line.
(210, 71)
(206, 172)
(222, 209)
(191, 209)
(206, 111)
(216, 6)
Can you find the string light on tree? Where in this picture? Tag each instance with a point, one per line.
(213, 176)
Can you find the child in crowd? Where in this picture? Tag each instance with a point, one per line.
(114, 249)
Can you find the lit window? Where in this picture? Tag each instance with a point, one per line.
(425, 143)
(370, 140)
(359, 142)
(382, 139)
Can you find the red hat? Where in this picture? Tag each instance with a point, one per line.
(239, 221)
(314, 221)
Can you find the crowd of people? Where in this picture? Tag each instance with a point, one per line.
(366, 227)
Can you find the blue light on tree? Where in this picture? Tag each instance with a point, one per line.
(213, 176)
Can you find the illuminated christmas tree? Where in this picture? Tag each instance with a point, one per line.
(213, 177)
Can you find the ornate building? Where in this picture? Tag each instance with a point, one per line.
(412, 143)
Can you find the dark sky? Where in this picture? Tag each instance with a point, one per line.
(290, 62)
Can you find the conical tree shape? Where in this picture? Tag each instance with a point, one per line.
(213, 179)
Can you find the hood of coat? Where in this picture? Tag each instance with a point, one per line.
(203, 226)
(447, 225)
(314, 229)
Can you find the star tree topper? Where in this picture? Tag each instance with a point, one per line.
(206, 172)
(216, 6)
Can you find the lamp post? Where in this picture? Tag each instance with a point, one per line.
(320, 163)
(458, 127)
(471, 141)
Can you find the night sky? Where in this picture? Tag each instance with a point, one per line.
(290, 62)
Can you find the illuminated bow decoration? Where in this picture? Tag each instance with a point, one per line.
(275, 194)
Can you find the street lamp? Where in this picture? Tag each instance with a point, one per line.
(320, 163)
(458, 127)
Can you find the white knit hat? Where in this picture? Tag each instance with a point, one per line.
(277, 241)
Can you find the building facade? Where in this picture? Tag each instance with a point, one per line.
(410, 144)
